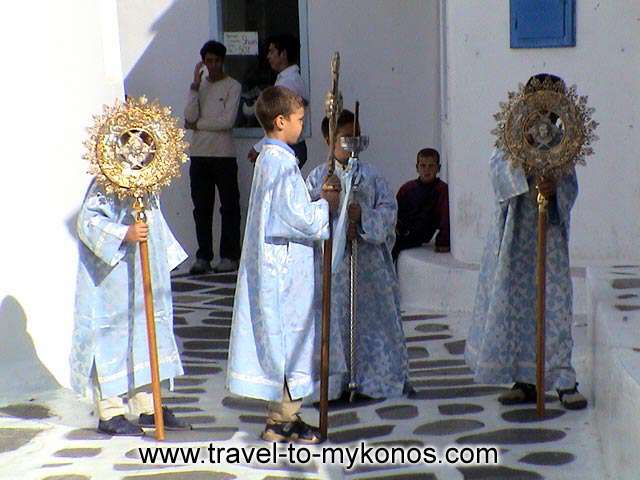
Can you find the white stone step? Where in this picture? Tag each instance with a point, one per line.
(614, 317)
(437, 281)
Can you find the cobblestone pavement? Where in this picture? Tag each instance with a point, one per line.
(53, 436)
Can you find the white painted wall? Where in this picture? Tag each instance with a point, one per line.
(61, 64)
(160, 42)
(605, 64)
(390, 62)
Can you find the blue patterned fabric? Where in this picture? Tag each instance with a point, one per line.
(381, 364)
(110, 323)
(501, 343)
(274, 327)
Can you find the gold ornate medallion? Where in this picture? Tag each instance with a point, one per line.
(545, 128)
(135, 148)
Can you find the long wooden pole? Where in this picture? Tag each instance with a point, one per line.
(326, 331)
(333, 108)
(151, 327)
(541, 261)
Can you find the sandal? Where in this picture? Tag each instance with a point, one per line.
(296, 432)
(519, 393)
(571, 398)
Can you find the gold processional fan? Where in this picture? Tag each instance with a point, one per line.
(546, 129)
(135, 148)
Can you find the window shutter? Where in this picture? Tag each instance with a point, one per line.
(543, 23)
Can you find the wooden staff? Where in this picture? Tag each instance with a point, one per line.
(333, 108)
(541, 279)
(151, 325)
(326, 330)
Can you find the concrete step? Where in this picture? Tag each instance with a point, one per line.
(614, 317)
(437, 281)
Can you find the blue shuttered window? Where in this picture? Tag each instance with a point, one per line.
(543, 23)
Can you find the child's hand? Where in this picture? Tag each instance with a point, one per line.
(137, 232)
(441, 249)
(252, 156)
(546, 187)
(332, 183)
(333, 199)
(352, 231)
(331, 192)
(355, 212)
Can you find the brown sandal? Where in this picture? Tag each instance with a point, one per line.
(292, 432)
(572, 399)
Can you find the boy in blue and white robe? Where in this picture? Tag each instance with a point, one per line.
(381, 361)
(502, 338)
(274, 327)
(272, 335)
(110, 352)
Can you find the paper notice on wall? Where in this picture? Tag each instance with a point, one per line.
(241, 43)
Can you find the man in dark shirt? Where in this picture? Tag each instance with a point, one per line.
(423, 207)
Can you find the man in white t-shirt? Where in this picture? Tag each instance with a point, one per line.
(211, 112)
(282, 54)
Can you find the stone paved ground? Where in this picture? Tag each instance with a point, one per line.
(53, 436)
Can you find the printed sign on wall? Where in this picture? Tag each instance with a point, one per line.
(241, 43)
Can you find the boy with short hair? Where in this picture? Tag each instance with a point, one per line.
(423, 207)
(271, 354)
(109, 348)
(381, 365)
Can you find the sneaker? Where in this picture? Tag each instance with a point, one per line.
(296, 432)
(519, 393)
(171, 422)
(119, 426)
(572, 399)
(226, 265)
(199, 267)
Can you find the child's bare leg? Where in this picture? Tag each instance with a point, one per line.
(284, 423)
(284, 411)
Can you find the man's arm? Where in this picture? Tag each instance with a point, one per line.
(192, 110)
